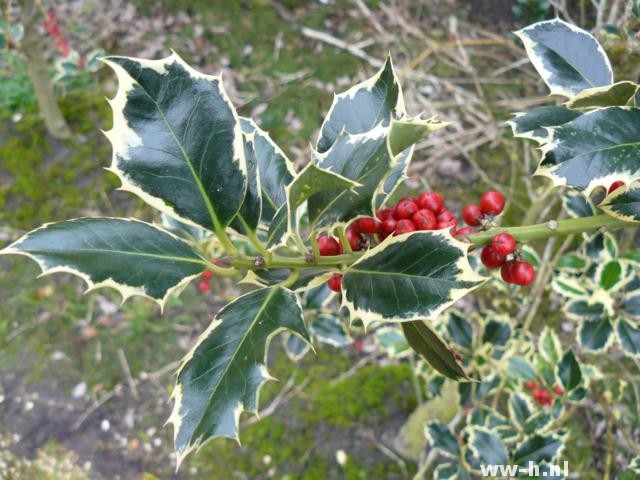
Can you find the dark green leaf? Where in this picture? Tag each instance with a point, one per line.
(295, 347)
(496, 332)
(572, 262)
(631, 305)
(177, 141)
(487, 447)
(567, 58)
(520, 409)
(624, 204)
(442, 438)
(277, 234)
(521, 368)
(610, 274)
(597, 148)
(459, 329)
(628, 336)
(537, 449)
(531, 124)
(328, 329)
(222, 374)
(394, 178)
(432, 347)
(583, 310)
(568, 371)
(248, 217)
(617, 95)
(577, 205)
(307, 278)
(409, 277)
(364, 106)
(133, 257)
(595, 334)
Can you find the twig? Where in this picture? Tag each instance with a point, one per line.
(124, 364)
(341, 44)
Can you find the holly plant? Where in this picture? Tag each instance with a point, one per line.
(233, 205)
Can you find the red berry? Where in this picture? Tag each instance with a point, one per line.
(358, 345)
(405, 226)
(522, 273)
(543, 396)
(503, 243)
(490, 258)
(447, 224)
(558, 389)
(406, 208)
(615, 185)
(530, 385)
(204, 286)
(491, 203)
(432, 201)
(355, 240)
(445, 215)
(368, 225)
(463, 231)
(328, 246)
(335, 282)
(389, 225)
(424, 219)
(207, 275)
(355, 227)
(507, 271)
(472, 215)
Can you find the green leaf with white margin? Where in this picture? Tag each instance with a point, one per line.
(569, 287)
(363, 107)
(567, 58)
(596, 335)
(538, 448)
(424, 339)
(442, 438)
(572, 263)
(568, 371)
(367, 159)
(408, 277)
(276, 170)
(596, 149)
(277, 234)
(392, 341)
(496, 332)
(222, 374)
(248, 217)
(177, 141)
(549, 345)
(520, 368)
(623, 204)
(133, 257)
(577, 205)
(394, 178)
(487, 447)
(520, 409)
(628, 337)
(295, 347)
(328, 329)
(619, 94)
(631, 305)
(531, 124)
(610, 274)
(449, 471)
(584, 310)
(459, 329)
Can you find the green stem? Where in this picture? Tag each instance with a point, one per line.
(342, 235)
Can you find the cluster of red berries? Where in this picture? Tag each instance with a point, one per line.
(60, 42)
(543, 395)
(204, 285)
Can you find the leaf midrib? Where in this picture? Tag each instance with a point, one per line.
(121, 252)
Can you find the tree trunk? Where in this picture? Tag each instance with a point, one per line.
(32, 48)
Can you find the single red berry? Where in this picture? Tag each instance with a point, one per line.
(615, 185)
(558, 389)
(463, 231)
(491, 203)
(406, 208)
(382, 235)
(522, 273)
(358, 345)
(432, 201)
(355, 240)
(503, 243)
(204, 286)
(472, 215)
(355, 227)
(424, 219)
(335, 282)
(389, 225)
(405, 226)
(368, 225)
(490, 258)
(447, 224)
(530, 385)
(207, 275)
(328, 246)
(445, 215)
(506, 272)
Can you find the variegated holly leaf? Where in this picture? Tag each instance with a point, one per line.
(486, 446)
(328, 329)
(366, 158)
(392, 341)
(520, 409)
(394, 178)
(295, 347)
(520, 368)
(449, 471)
(568, 371)
(222, 374)
(577, 205)
(610, 275)
(459, 329)
(442, 438)
(248, 218)
(623, 204)
(569, 287)
(630, 304)
(596, 335)
(619, 94)
(364, 106)
(572, 263)
(538, 448)
(532, 123)
(409, 277)
(628, 336)
(423, 338)
(133, 257)
(177, 141)
(276, 170)
(583, 310)
(496, 332)
(596, 149)
(567, 58)
(549, 346)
